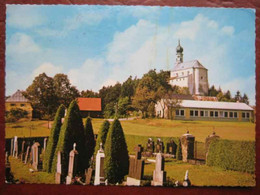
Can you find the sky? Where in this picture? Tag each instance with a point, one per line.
(100, 45)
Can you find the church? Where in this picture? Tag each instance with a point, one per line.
(191, 74)
(197, 105)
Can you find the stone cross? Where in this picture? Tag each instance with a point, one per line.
(12, 147)
(27, 154)
(58, 170)
(72, 164)
(159, 175)
(99, 170)
(15, 152)
(136, 168)
(22, 151)
(187, 146)
(36, 163)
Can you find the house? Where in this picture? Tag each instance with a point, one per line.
(17, 100)
(191, 74)
(90, 107)
(205, 110)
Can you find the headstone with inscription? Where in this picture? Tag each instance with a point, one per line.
(99, 170)
(136, 168)
(72, 164)
(187, 146)
(159, 175)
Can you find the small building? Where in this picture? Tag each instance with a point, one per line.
(17, 100)
(90, 107)
(205, 110)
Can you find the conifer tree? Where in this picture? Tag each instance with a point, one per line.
(53, 139)
(102, 135)
(89, 142)
(116, 154)
(72, 131)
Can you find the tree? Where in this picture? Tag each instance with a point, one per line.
(42, 95)
(53, 139)
(102, 135)
(227, 95)
(89, 94)
(238, 97)
(89, 142)
(245, 99)
(116, 162)
(72, 131)
(213, 91)
(123, 106)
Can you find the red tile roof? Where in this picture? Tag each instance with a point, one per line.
(89, 104)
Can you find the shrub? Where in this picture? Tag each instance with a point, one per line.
(116, 154)
(72, 131)
(89, 142)
(15, 114)
(232, 155)
(53, 139)
(178, 151)
(102, 135)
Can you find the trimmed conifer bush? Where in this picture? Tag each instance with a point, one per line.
(53, 139)
(72, 131)
(102, 135)
(89, 142)
(116, 154)
(232, 155)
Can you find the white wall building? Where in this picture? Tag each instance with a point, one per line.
(191, 74)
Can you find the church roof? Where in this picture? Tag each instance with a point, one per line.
(17, 97)
(189, 64)
(89, 104)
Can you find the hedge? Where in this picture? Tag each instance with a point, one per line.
(232, 155)
(53, 139)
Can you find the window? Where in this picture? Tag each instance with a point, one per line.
(202, 113)
(231, 114)
(12, 104)
(188, 72)
(201, 78)
(196, 113)
(221, 113)
(247, 115)
(206, 113)
(211, 113)
(191, 113)
(22, 105)
(179, 112)
(235, 114)
(243, 115)
(216, 113)
(182, 112)
(226, 114)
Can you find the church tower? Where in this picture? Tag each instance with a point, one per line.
(179, 54)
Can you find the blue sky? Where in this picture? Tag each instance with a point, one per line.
(100, 45)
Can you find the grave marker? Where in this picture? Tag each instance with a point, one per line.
(159, 146)
(58, 170)
(12, 147)
(27, 155)
(15, 152)
(99, 171)
(187, 146)
(36, 162)
(159, 175)
(72, 164)
(22, 151)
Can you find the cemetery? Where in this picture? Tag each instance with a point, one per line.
(72, 154)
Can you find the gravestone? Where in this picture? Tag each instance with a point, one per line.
(27, 154)
(15, 152)
(136, 168)
(159, 175)
(44, 143)
(58, 169)
(23, 151)
(72, 164)
(88, 175)
(36, 162)
(7, 163)
(187, 146)
(171, 147)
(186, 181)
(208, 140)
(150, 145)
(99, 171)
(12, 147)
(62, 119)
(159, 146)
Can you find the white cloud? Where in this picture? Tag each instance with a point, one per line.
(47, 68)
(108, 82)
(89, 76)
(21, 44)
(228, 30)
(23, 16)
(50, 32)
(244, 85)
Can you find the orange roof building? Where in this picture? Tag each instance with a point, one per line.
(90, 106)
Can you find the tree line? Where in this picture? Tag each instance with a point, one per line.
(134, 96)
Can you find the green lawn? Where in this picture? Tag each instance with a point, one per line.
(202, 175)
(151, 127)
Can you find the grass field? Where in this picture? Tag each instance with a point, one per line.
(151, 127)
